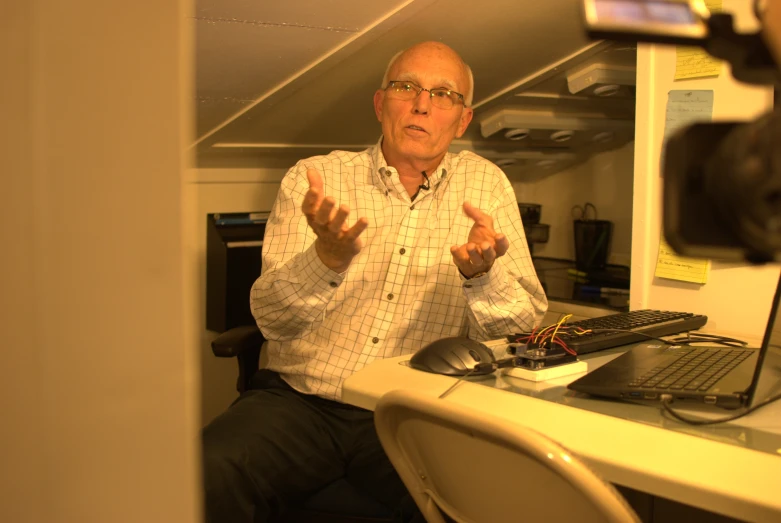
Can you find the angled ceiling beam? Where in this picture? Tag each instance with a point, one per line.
(543, 74)
(288, 86)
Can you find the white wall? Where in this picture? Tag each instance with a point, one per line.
(735, 299)
(223, 190)
(98, 379)
(604, 180)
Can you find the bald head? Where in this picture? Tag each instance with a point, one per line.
(465, 81)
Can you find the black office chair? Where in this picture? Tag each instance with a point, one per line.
(338, 502)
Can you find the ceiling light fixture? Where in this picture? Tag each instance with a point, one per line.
(516, 134)
(505, 162)
(607, 90)
(561, 136)
(603, 137)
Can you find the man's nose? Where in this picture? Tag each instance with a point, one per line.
(422, 103)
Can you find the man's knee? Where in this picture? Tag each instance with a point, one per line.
(223, 465)
(230, 492)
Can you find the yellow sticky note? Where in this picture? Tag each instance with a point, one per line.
(713, 6)
(694, 62)
(671, 266)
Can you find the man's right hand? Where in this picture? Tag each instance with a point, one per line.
(336, 244)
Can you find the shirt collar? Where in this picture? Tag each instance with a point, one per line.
(381, 166)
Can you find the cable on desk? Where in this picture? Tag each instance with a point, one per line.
(701, 337)
(667, 399)
(458, 382)
(687, 339)
(481, 367)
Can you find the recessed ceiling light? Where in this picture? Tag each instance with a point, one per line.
(516, 134)
(607, 90)
(546, 163)
(603, 137)
(561, 136)
(505, 162)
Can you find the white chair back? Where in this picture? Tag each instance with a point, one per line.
(482, 469)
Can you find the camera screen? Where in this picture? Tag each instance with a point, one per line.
(634, 12)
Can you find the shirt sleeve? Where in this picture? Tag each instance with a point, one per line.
(290, 297)
(509, 298)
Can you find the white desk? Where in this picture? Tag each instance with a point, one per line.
(718, 469)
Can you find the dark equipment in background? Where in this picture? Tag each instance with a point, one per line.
(535, 231)
(592, 238)
(722, 189)
(233, 260)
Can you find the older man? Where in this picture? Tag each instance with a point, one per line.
(369, 255)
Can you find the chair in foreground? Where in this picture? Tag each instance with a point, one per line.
(476, 468)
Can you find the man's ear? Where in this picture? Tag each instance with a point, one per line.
(466, 117)
(379, 96)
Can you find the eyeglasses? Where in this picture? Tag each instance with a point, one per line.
(440, 96)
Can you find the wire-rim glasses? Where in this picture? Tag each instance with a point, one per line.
(441, 97)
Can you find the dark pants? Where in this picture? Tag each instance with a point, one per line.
(275, 446)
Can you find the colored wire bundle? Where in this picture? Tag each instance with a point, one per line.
(554, 334)
(557, 334)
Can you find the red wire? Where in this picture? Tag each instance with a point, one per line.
(564, 346)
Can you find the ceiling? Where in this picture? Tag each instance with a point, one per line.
(280, 80)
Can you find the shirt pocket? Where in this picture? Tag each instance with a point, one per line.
(432, 253)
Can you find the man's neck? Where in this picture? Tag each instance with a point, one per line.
(411, 169)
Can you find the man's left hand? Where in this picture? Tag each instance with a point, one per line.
(483, 246)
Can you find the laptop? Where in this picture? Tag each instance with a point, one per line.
(727, 377)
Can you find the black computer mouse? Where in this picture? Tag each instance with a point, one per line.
(454, 356)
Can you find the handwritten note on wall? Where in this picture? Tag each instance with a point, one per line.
(693, 62)
(673, 267)
(684, 107)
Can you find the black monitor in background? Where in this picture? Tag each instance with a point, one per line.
(234, 243)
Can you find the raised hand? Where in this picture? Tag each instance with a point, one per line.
(336, 244)
(483, 246)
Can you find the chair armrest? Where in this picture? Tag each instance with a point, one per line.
(237, 340)
(244, 343)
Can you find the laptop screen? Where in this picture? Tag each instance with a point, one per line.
(767, 378)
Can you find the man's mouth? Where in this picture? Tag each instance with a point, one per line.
(416, 128)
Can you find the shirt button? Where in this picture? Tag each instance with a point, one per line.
(390, 296)
(333, 284)
(402, 250)
(411, 207)
(468, 285)
(375, 340)
(387, 172)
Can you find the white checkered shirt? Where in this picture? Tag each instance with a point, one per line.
(403, 289)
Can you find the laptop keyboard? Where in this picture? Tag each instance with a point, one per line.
(695, 370)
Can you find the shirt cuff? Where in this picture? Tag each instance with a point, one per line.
(489, 282)
(316, 275)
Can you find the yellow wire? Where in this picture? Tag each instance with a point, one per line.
(565, 318)
(542, 332)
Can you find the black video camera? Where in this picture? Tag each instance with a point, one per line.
(722, 190)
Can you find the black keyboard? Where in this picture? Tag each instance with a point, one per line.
(644, 321)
